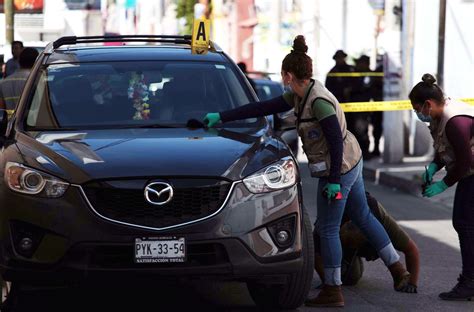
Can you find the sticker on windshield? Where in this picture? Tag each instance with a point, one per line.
(219, 66)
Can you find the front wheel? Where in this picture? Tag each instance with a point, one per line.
(10, 296)
(295, 291)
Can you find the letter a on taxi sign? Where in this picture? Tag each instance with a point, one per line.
(200, 40)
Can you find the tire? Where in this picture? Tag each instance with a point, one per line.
(295, 291)
(10, 296)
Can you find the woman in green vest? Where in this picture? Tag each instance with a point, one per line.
(452, 129)
(334, 156)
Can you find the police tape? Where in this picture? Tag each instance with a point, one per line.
(364, 74)
(384, 105)
(363, 106)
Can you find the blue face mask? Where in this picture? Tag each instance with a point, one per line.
(423, 117)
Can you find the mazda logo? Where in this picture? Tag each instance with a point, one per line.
(158, 193)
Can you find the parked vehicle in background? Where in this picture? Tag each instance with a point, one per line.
(105, 170)
(267, 89)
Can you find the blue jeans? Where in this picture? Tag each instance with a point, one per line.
(329, 218)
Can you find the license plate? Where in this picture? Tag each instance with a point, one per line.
(160, 250)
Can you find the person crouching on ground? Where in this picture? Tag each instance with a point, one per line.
(355, 246)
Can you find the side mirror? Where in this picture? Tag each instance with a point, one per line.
(3, 122)
(285, 121)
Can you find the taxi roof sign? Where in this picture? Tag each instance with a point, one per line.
(201, 33)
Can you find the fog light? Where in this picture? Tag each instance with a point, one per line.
(26, 237)
(26, 244)
(283, 232)
(282, 237)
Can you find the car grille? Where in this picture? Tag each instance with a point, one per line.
(121, 256)
(130, 206)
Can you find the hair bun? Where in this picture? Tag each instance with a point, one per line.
(428, 79)
(299, 44)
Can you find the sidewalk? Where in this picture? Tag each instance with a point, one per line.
(405, 177)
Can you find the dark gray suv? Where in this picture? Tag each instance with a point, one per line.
(108, 173)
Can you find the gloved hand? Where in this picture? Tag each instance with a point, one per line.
(429, 173)
(435, 189)
(331, 189)
(409, 288)
(211, 119)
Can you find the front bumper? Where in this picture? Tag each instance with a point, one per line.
(74, 243)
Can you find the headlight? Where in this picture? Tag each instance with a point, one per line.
(30, 181)
(279, 175)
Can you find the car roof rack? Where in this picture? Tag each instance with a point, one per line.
(71, 40)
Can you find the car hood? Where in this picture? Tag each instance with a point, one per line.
(81, 156)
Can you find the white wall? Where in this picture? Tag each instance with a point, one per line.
(359, 32)
(459, 49)
(321, 22)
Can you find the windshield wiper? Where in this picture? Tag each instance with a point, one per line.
(149, 126)
(51, 129)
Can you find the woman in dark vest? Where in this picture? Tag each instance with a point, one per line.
(334, 156)
(452, 129)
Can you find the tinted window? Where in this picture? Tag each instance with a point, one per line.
(118, 94)
(266, 91)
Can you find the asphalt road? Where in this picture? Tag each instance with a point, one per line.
(427, 221)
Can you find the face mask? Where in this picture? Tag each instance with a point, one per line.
(423, 117)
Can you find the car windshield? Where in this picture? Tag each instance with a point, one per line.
(132, 94)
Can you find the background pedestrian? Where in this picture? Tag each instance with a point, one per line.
(13, 64)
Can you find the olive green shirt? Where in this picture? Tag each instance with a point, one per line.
(321, 107)
(396, 234)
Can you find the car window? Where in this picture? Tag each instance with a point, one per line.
(117, 94)
(266, 91)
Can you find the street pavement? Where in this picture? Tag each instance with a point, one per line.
(428, 221)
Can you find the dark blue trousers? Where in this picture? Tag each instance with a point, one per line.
(463, 222)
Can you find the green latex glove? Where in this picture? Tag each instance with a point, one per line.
(331, 189)
(211, 119)
(428, 174)
(435, 189)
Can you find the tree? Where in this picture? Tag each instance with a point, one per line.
(185, 9)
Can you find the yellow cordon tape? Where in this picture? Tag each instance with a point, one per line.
(384, 105)
(368, 74)
(364, 106)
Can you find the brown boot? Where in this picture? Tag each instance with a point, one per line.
(329, 296)
(399, 274)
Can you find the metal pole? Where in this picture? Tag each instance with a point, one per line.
(9, 22)
(344, 24)
(441, 40)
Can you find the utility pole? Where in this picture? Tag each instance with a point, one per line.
(9, 21)
(441, 40)
(344, 24)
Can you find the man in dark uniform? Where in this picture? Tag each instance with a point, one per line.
(340, 86)
(355, 247)
(376, 118)
(362, 91)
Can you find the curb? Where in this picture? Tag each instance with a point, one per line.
(401, 182)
